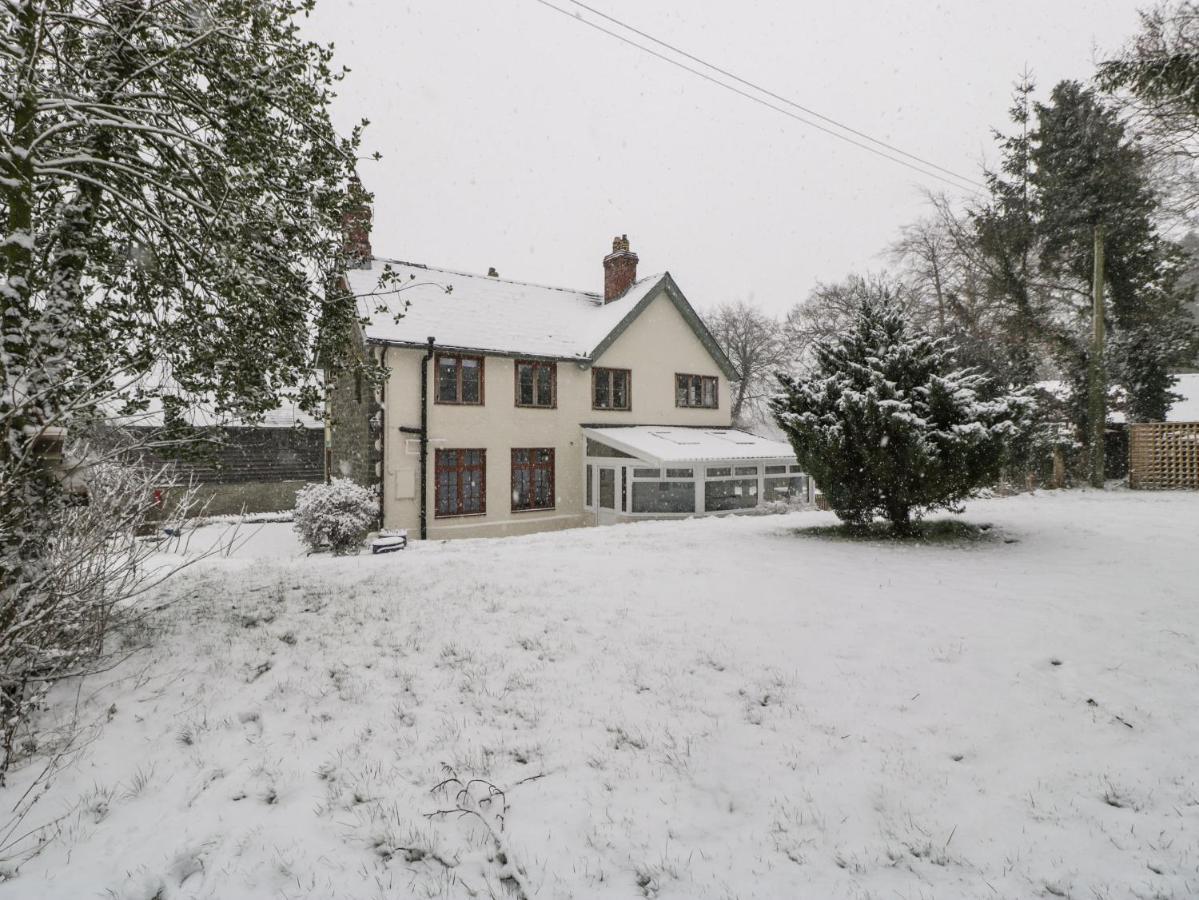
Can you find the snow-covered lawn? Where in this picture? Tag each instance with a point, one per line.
(701, 709)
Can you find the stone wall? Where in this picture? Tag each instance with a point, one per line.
(355, 422)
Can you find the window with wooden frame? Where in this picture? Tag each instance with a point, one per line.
(459, 379)
(461, 482)
(532, 479)
(536, 383)
(611, 389)
(698, 391)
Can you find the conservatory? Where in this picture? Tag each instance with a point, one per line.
(650, 471)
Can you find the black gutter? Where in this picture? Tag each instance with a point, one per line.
(423, 431)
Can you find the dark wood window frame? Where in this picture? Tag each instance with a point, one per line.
(533, 467)
(458, 468)
(536, 365)
(600, 372)
(458, 358)
(687, 386)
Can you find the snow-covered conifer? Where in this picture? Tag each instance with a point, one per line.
(889, 426)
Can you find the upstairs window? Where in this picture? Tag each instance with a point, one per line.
(532, 479)
(459, 379)
(461, 482)
(536, 383)
(611, 389)
(698, 391)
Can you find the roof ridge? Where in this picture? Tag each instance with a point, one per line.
(548, 287)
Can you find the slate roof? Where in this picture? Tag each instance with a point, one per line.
(495, 315)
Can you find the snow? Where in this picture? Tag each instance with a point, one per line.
(1186, 409)
(661, 445)
(709, 708)
(488, 314)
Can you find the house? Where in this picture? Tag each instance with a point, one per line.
(233, 465)
(511, 408)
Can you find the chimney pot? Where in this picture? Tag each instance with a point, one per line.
(620, 269)
(356, 227)
(492, 273)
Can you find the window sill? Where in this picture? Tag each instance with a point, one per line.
(534, 406)
(459, 515)
(534, 509)
(457, 403)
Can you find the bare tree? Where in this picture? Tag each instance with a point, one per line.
(830, 308)
(752, 340)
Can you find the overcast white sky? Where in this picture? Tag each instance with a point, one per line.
(515, 137)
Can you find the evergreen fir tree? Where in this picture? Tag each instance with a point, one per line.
(889, 425)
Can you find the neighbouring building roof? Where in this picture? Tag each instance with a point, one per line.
(495, 315)
(1183, 410)
(1186, 409)
(664, 445)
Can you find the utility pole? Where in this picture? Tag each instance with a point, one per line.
(1097, 382)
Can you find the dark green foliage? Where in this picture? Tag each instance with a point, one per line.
(888, 425)
(1072, 166)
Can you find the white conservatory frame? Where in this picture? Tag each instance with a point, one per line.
(643, 454)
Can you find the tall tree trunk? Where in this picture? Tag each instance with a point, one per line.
(1097, 380)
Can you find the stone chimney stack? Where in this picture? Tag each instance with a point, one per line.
(620, 269)
(356, 227)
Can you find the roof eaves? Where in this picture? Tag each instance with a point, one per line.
(482, 351)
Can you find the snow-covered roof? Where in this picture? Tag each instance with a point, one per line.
(201, 415)
(663, 445)
(497, 315)
(1183, 410)
(1186, 409)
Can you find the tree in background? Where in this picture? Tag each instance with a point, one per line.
(1069, 171)
(888, 424)
(753, 343)
(171, 191)
(1156, 77)
(831, 309)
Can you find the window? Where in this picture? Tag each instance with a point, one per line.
(695, 390)
(461, 482)
(663, 497)
(647, 473)
(746, 470)
(776, 470)
(590, 491)
(536, 383)
(680, 473)
(459, 379)
(720, 472)
(738, 493)
(793, 488)
(610, 389)
(532, 479)
(607, 488)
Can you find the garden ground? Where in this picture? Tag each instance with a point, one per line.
(700, 709)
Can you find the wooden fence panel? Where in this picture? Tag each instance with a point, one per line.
(1164, 455)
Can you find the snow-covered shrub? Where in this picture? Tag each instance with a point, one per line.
(336, 515)
(888, 425)
(89, 567)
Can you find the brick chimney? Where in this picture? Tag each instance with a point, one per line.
(356, 227)
(620, 269)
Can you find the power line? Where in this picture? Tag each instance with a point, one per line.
(770, 93)
(786, 112)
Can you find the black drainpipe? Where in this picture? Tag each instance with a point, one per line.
(423, 431)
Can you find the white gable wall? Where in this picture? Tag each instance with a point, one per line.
(655, 346)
